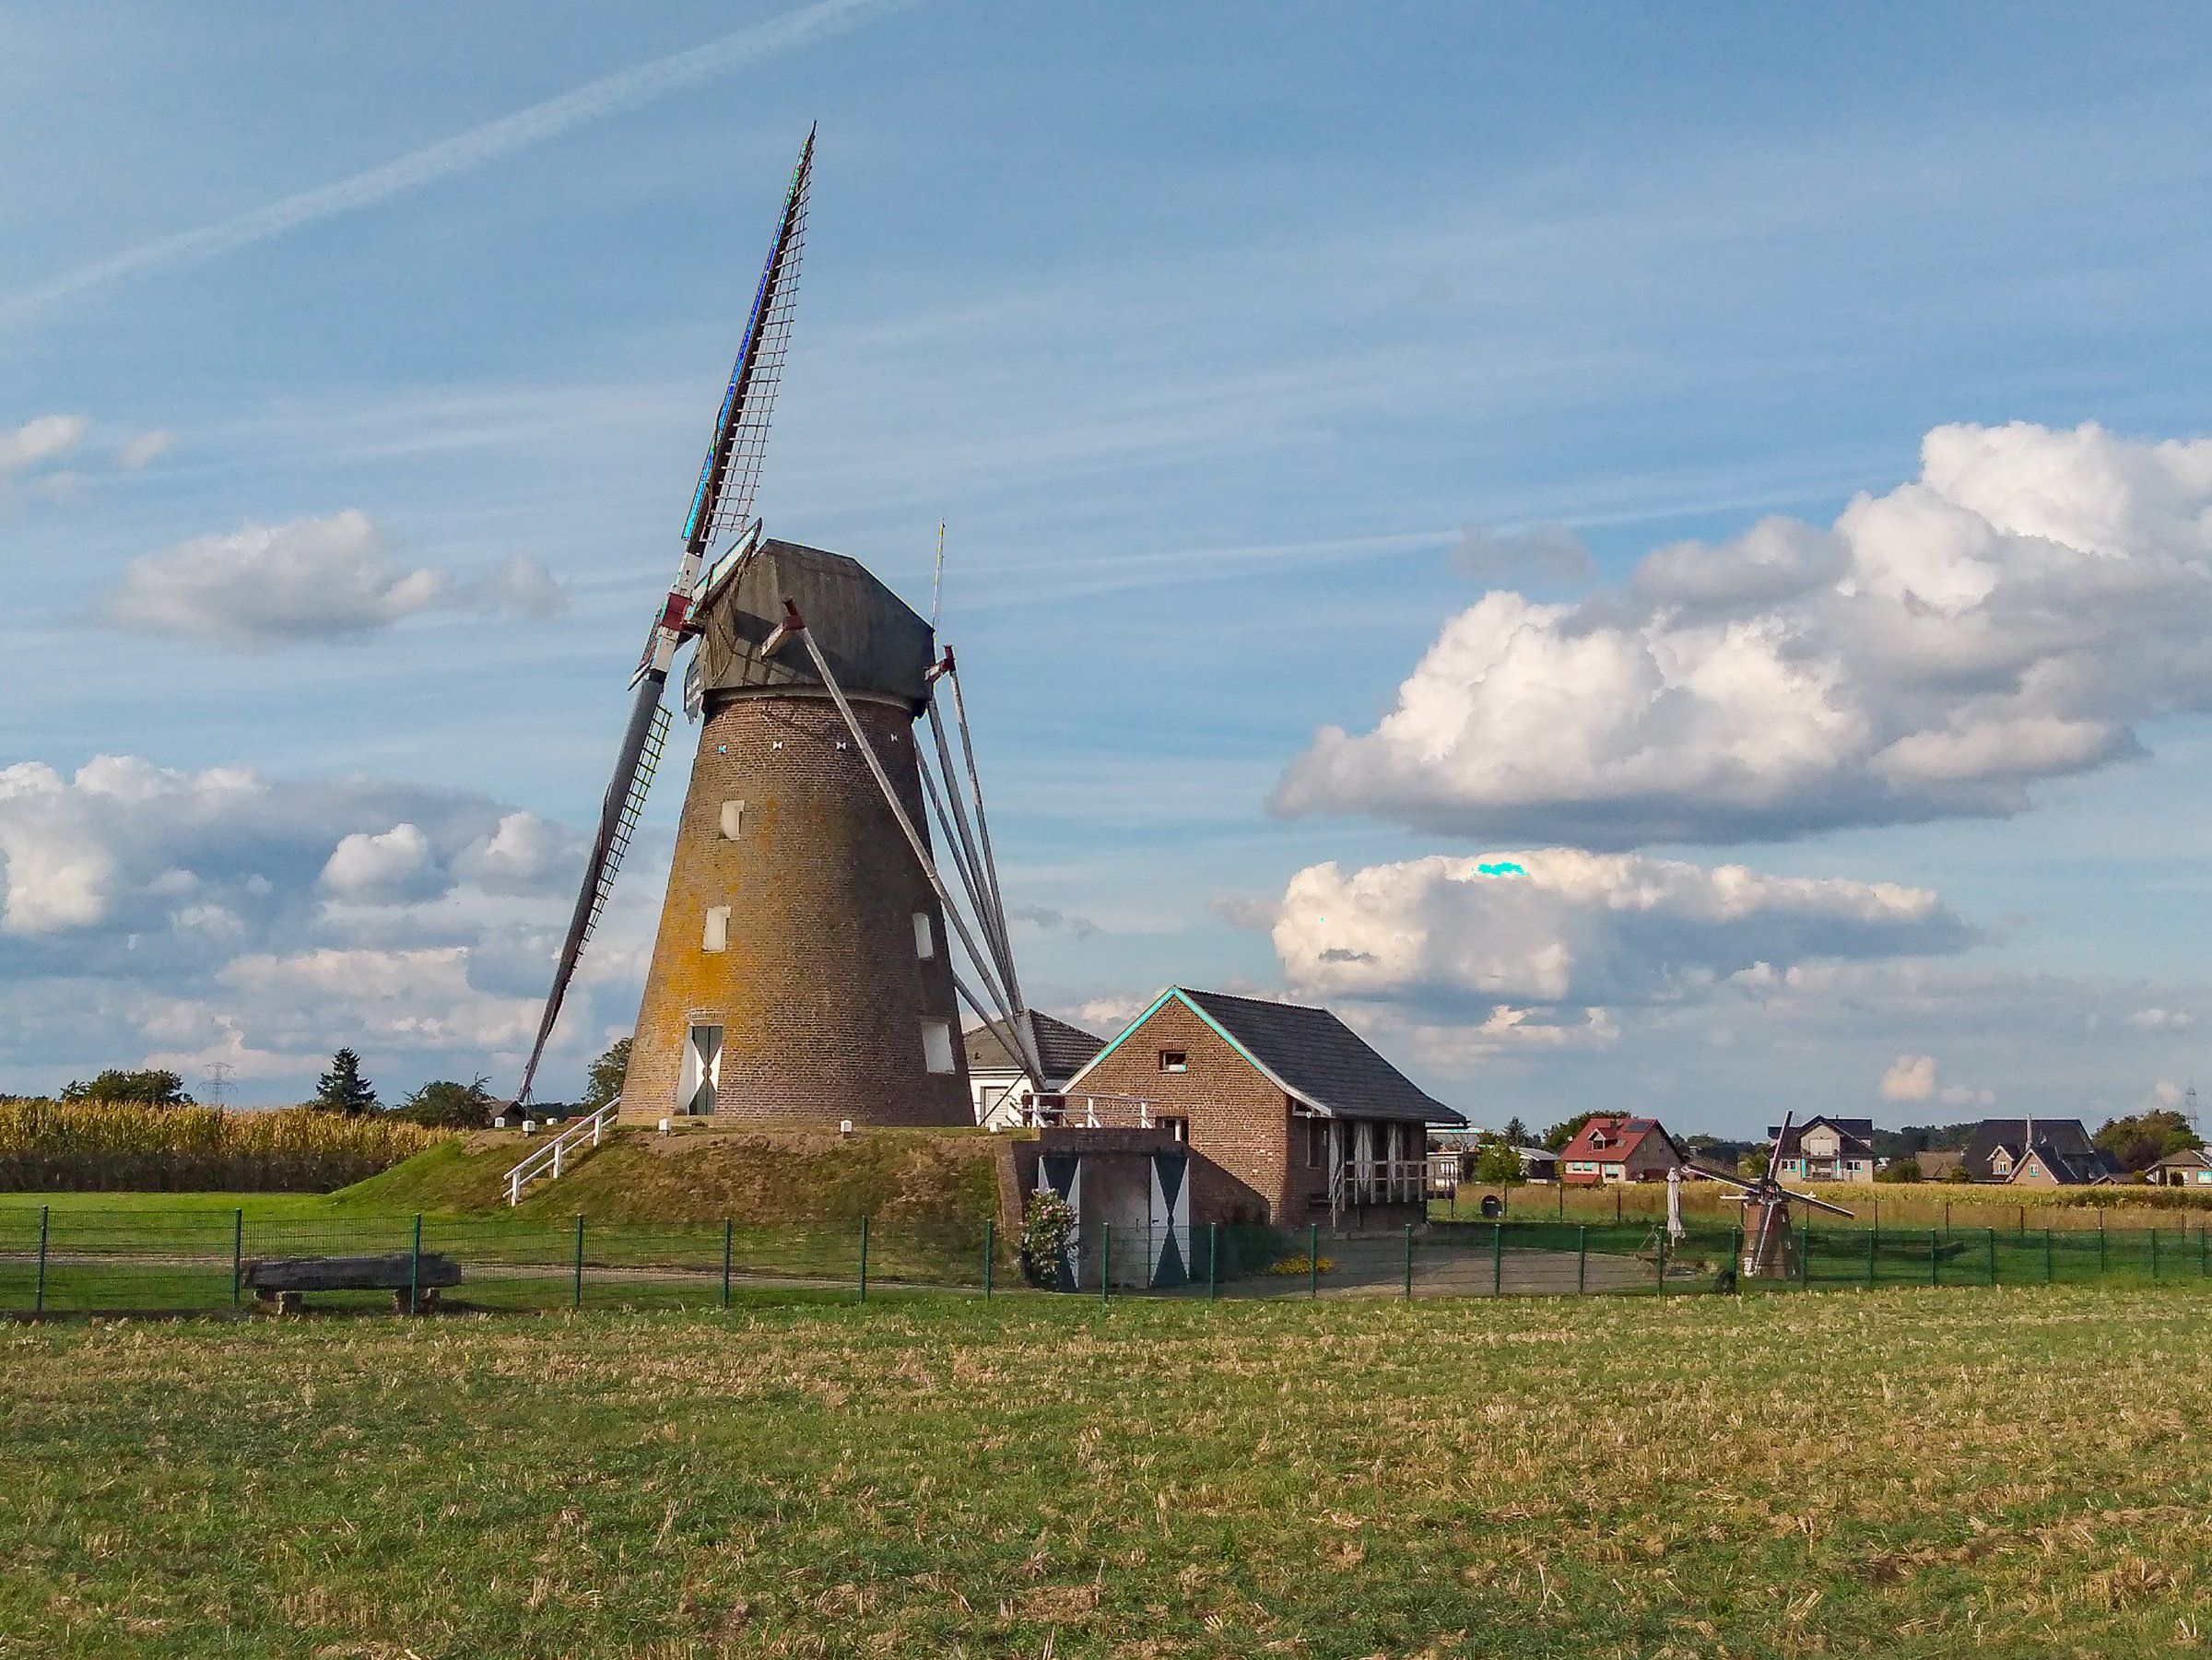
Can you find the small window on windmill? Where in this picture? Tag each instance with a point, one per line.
(936, 1045)
(718, 929)
(1174, 1060)
(925, 937)
(733, 819)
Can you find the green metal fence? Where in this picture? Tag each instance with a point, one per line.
(83, 1260)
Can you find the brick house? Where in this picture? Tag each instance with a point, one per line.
(2192, 1167)
(1825, 1149)
(1289, 1116)
(1614, 1147)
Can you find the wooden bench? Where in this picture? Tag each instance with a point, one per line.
(279, 1283)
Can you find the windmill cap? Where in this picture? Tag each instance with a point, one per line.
(878, 646)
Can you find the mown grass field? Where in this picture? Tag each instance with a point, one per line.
(1909, 1473)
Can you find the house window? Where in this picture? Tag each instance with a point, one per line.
(936, 1045)
(925, 937)
(1317, 1143)
(717, 937)
(733, 819)
(1178, 1127)
(1174, 1060)
(702, 1071)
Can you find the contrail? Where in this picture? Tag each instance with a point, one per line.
(473, 148)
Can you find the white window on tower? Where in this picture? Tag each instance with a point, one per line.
(936, 1045)
(925, 937)
(717, 937)
(733, 819)
(702, 1072)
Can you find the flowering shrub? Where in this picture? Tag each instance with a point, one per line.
(1046, 1227)
(1302, 1265)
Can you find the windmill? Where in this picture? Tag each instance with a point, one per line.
(1770, 1247)
(803, 971)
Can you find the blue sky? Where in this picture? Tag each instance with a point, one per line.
(1236, 346)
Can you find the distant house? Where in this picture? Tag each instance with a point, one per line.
(2189, 1168)
(2037, 1152)
(1825, 1149)
(1937, 1163)
(1614, 1147)
(1004, 1098)
(1289, 1115)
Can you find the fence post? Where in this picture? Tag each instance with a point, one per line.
(1933, 1259)
(2023, 1221)
(415, 1267)
(1213, 1259)
(1105, 1262)
(576, 1291)
(1617, 1206)
(1872, 1236)
(2204, 1258)
(238, 1253)
(1312, 1261)
(990, 1245)
(1582, 1257)
(2154, 1254)
(1496, 1258)
(1992, 1256)
(38, 1296)
(1947, 1218)
(1804, 1252)
(1409, 1262)
(729, 1229)
(863, 1258)
(2046, 1256)
(1659, 1258)
(1561, 1210)
(2101, 1244)
(1736, 1263)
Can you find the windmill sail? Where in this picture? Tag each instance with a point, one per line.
(723, 499)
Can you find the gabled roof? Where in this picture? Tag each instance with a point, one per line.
(1623, 1134)
(2061, 1144)
(1855, 1135)
(2189, 1158)
(1308, 1053)
(1063, 1048)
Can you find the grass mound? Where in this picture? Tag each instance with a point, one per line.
(757, 1176)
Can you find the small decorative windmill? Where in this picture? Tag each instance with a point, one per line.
(1770, 1247)
(803, 968)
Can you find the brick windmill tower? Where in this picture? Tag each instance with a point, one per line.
(805, 970)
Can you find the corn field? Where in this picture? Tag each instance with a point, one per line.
(48, 1146)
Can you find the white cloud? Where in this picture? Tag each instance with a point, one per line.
(391, 868)
(307, 579)
(144, 449)
(2162, 1020)
(149, 915)
(39, 440)
(2011, 616)
(1910, 1078)
(1558, 927)
(126, 853)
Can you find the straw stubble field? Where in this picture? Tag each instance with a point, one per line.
(1910, 1473)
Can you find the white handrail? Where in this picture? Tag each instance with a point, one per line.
(547, 1160)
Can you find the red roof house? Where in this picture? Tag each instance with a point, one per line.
(1614, 1147)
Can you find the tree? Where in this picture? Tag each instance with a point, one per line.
(2141, 1139)
(343, 1088)
(1560, 1135)
(1497, 1165)
(447, 1105)
(154, 1086)
(604, 1082)
(1516, 1132)
(1754, 1163)
(1905, 1168)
